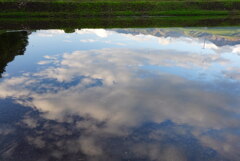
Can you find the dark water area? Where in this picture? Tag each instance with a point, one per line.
(127, 94)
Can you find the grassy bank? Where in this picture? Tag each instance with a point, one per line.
(116, 22)
(86, 8)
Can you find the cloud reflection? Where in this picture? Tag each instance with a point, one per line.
(124, 98)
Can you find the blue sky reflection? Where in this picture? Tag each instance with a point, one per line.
(152, 97)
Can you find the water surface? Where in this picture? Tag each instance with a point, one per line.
(160, 94)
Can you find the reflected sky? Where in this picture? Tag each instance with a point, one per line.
(167, 94)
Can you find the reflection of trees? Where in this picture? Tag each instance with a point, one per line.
(11, 44)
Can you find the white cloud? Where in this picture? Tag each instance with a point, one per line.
(236, 49)
(88, 40)
(124, 92)
(99, 32)
(49, 33)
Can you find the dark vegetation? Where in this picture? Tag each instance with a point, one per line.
(116, 22)
(11, 45)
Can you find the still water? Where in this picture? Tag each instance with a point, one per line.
(155, 94)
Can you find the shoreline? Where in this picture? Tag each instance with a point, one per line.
(117, 22)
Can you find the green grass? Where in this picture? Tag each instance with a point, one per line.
(96, 1)
(77, 8)
(118, 13)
